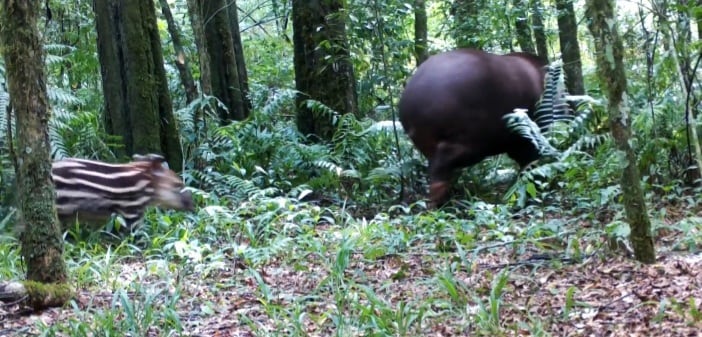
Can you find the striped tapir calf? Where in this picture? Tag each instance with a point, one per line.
(88, 190)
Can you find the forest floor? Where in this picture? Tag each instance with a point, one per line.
(334, 291)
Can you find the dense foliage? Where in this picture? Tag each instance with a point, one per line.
(338, 215)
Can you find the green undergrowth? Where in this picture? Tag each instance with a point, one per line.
(292, 238)
(281, 266)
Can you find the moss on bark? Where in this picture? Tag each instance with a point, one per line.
(610, 70)
(323, 69)
(42, 245)
(137, 102)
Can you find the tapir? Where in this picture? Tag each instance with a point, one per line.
(452, 109)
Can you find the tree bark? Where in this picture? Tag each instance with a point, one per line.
(197, 23)
(37, 295)
(137, 103)
(570, 48)
(239, 55)
(539, 28)
(181, 60)
(224, 72)
(323, 69)
(610, 70)
(42, 245)
(421, 35)
(521, 26)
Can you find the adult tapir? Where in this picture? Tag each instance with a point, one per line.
(452, 109)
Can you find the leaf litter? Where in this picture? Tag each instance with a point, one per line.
(604, 294)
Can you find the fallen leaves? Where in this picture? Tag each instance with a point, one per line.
(425, 292)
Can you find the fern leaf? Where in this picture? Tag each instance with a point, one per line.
(552, 106)
(60, 96)
(520, 123)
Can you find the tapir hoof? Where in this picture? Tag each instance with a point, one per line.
(438, 194)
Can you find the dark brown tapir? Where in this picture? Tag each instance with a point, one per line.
(453, 105)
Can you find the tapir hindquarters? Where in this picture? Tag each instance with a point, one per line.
(453, 105)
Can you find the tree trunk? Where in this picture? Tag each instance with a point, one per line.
(421, 35)
(467, 30)
(137, 103)
(42, 245)
(610, 70)
(521, 26)
(539, 28)
(323, 69)
(181, 60)
(239, 55)
(570, 49)
(224, 71)
(698, 18)
(197, 23)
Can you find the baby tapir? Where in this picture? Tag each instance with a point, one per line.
(453, 105)
(88, 190)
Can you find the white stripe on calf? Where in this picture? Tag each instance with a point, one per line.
(116, 190)
(124, 174)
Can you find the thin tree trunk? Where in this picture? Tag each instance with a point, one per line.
(42, 244)
(421, 43)
(181, 60)
(239, 55)
(610, 70)
(539, 29)
(521, 26)
(197, 22)
(223, 67)
(570, 48)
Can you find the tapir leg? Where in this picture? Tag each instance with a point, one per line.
(447, 158)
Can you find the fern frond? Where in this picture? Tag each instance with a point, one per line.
(520, 123)
(552, 106)
(54, 59)
(322, 109)
(60, 96)
(55, 48)
(336, 169)
(281, 100)
(4, 102)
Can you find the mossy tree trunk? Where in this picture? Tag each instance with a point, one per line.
(42, 245)
(137, 103)
(323, 69)
(421, 34)
(181, 60)
(466, 28)
(537, 23)
(570, 48)
(224, 71)
(239, 54)
(610, 70)
(196, 21)
(521, 26)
